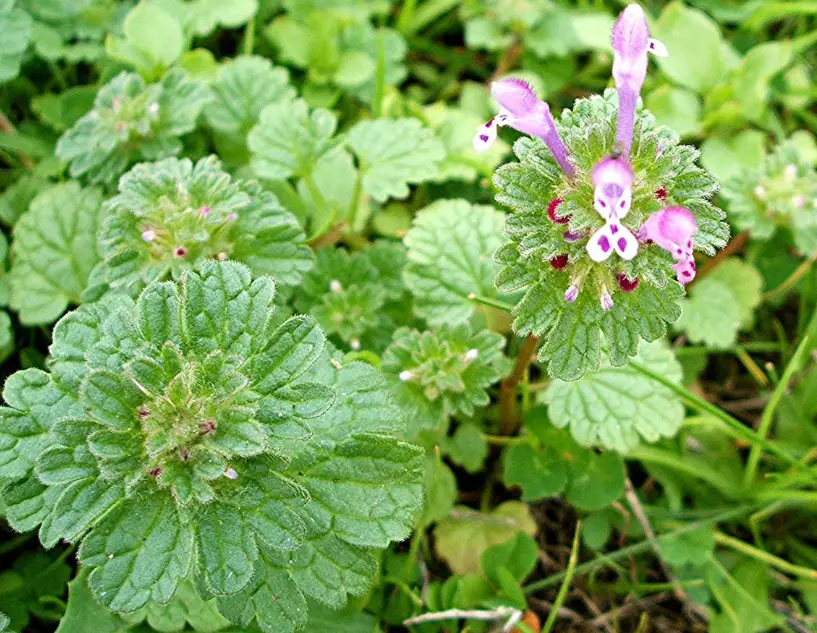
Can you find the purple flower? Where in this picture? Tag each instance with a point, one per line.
(631, 43)
(521, 110)
(613, 195)
(672, 229)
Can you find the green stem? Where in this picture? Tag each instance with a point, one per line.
(380, 76)
(638, 548)
(739, 429)
(764, 557)
(429, 12)
(487, 301)
(406, 15)
(353, 205)
(768, 413)
(790, 281)
(571, 569)
(249, 37)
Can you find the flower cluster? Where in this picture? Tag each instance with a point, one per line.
(610, 201)
(780, 194)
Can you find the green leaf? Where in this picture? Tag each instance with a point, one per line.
(691, 548)
(140, 553)
(272, 599)
(185, 607)
(244, 87)
(595, 481)
(461, 538)
(695, 60)
(755, 74)
(226, 549)
(451, 364)
(450, 246)
(352, 483)
(615, 407)
(322, 620)
(675, 107)
(467, 447)
(153, 39)
(15, 25)
(84, 613)
(518, 556)
(540, 473)
(289, 140)
(202, 17)
(393, 155)
(744, 598)
(34, 403)
(132, 121)
(728, 156)
(440, 491)
(53, 251)
(722, 303)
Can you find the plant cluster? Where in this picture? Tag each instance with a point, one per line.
(446, 316)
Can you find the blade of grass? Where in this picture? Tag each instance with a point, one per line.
(740, 430)
(571, 569)
(768, 413)
(639, 548)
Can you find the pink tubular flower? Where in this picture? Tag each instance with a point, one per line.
(631, 43)
(672, 229)
(521, 110)
(613, 196)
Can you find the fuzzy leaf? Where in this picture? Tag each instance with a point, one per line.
(393, 155)
(140, 552)
(132, 121)
(289, 140)
(450, 249)
(451, 364)
(244, 87)
(193, 213)
(53, 251)
(722, 303)
(616, 406)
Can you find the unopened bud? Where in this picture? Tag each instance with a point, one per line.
(406, 375)
(335, 286)
(230, 474)
(760, 192)
(148, 235)
(471, 355)
(354, 344)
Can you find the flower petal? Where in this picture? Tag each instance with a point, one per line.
(515, 95)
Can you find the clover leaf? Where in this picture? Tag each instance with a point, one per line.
(205, 443)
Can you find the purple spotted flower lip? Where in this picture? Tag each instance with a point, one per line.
(613, 195)
(631, 45)
(521, 110)
(672, 229)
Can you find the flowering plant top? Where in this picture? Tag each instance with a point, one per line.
(606, 210)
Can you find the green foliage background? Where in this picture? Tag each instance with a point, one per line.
(268, 323)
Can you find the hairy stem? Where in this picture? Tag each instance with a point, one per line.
(508, 417)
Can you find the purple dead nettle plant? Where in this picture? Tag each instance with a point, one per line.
(605, 208)
(613, 176)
